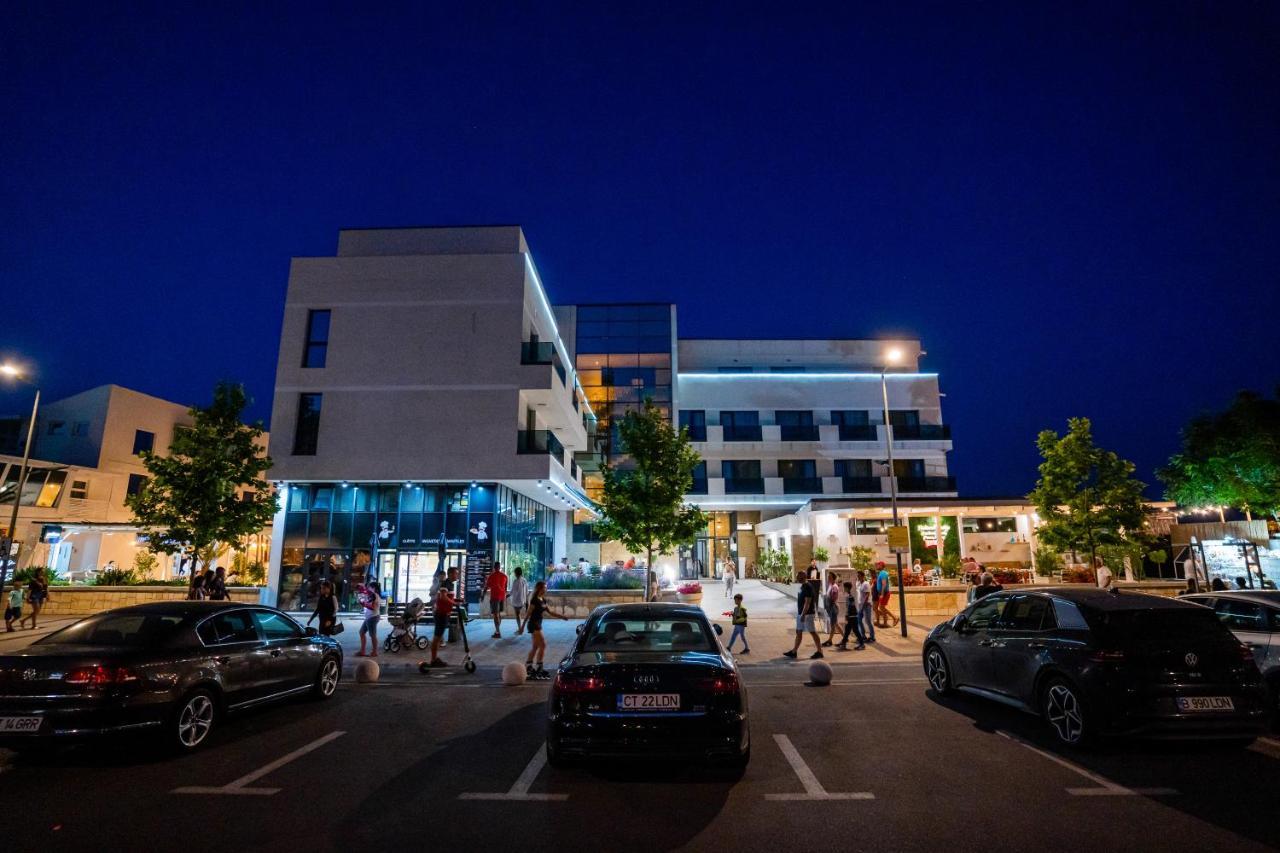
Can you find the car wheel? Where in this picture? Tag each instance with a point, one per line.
(1064, 711)
(327, 678)
(937, 670)
(190, 724)
(556, 759)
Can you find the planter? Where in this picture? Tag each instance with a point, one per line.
(691, 597)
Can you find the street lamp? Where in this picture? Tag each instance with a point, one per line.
(892, 356)
(14, 372)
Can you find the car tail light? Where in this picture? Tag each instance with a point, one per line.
(1106, 656)
(723, 684)
(569, 683)
(1246, 653)
(100, 676)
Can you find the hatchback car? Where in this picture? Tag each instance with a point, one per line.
(1098, 662)
(172, 667)
(648, 680)
(1253, 616)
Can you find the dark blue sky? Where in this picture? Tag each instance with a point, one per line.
(1074, 207)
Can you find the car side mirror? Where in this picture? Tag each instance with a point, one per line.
(960, 623)
(312, 632)
(581, 626)
(719, 631)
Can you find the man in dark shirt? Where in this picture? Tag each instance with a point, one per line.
(806, 607)
(986, 586)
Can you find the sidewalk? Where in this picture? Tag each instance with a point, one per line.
(23, 637)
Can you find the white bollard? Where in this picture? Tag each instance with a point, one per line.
(367, 671)
(513, 674)
(820, 673)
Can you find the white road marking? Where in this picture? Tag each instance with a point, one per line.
(813, 789)
(1105, 787)
(520, 790)
(240, 786)
(751, 682)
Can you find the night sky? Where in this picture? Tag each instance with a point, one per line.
(1074, 207)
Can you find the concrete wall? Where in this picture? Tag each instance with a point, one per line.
(578, 604)
(87, 600)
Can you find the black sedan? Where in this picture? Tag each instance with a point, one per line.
(1096, 662)
(648, 680)
(172, 667)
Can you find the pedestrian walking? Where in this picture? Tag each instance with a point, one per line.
(987, 586)
(881, 592)
(831, 604)
(814, 571)
(216, 585)
(326, 609)
(13, 607)
(806, 606)
(537, 610)
(852, 621)
(866, 608)
(37, 595)
(371, 610)
(519, 597)
(495, 587)
(441, 613)
(730, 575)
(196, 590)
(738, 619)
(1105, 578)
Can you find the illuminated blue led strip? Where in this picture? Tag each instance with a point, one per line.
(551, 315)
(802, 376)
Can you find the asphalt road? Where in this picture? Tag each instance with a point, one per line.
(872, 762)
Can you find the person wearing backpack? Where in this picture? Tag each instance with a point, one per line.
(739, 619)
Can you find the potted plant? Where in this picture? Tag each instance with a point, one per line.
(690, 592)
(822, 556)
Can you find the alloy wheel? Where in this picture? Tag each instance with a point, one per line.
(1062, 710)
(194, 720)
(329, 674)
(935, 669)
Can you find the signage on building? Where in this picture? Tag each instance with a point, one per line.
(51, 533)
(899, 540)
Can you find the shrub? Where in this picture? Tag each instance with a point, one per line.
(607, 579)
(144, 563)
(115, 577)
(23, 576)
(821, 554)
(1079, 575)
(1048, 561)
(774, 565)
(951, 566)
(861, 558)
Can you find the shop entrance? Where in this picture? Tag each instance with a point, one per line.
(713, 547)
(416, 569)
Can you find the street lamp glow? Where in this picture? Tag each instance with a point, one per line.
(893, 355)
(10, 370)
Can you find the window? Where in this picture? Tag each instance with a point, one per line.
(788, 468)
(317, 345)
(80, 428)
(990, 525)
(696, 422)
(699, 485)
(853, 467)
(740, 469)
(117, 629)
(1067, 615)
(615, 633)
(1027, 613)
(740, 419)
(904, 417)
(869, 526)
(135, 483)
(986, 612)
(234, 627)
(1241, 615)
(276, 627)
(306, 433)
(143, 441)
(913, 468)
(57, 427)
(79, 489)
(794, 418)
(849, 417)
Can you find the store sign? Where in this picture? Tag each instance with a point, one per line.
(899, 540)
(51, 533)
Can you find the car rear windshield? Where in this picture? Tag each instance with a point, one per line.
(1156, 629)
(649, 635)
(117, 629)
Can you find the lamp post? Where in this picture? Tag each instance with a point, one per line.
(892, 356)
(8, 554)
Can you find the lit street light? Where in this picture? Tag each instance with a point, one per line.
(892, 356)
(9, 554)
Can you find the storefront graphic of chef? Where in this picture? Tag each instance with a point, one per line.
(480, 531)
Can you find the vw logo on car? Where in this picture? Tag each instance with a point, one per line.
(1192, 659)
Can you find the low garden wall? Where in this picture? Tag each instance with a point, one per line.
(578, 604)
(87, 600)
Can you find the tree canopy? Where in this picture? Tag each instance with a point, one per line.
(643, 504)
(208, 492)
(1229, 458)
(1085, 496)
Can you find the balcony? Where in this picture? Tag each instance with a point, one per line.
(540, 352)
(854, 485)
(699, 486)
(697, 432)
(536, 441)
(802, 485)
(799, 433)
(742, 433)
(922, 432)
(744, 485)
(926, 484)
(588, 460)
(859, 432)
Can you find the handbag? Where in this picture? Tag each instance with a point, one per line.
(337, 628)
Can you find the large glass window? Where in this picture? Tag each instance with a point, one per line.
(740, 469)
(853, 467)
(143, 441)
(306, 435)
(317, 346)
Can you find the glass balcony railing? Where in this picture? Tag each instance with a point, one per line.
(858, 432)
(539, 441)
(541, 352)
(870, 485)
(802, 485)
(742, 433)
(922, 432)
(926, 484)
(744, 485)
(799, 433)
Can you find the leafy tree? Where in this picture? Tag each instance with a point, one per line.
(208, 492)
(643, 500)
(1085, 495)
(1230, 458)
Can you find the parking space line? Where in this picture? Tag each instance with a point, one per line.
(240, 786)
(520, 790)
(1105, 787)
(813, 789)
(802, 683)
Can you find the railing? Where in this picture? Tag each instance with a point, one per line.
(744, 486)
(541, 352)
(699, 486)
(858, 432)
(922, 432)
(802, 485)
(926, 484)
(742, 433)
(539, 441)
(861, 484)
(799, 433)
(697, 432)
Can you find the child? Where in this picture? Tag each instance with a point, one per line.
(13, 608)
(739, 625)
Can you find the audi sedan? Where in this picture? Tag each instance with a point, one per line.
(648, 680)
(175, 668)
(1097, 662)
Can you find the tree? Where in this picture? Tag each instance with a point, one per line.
(1229, 458)
(1085, 495)
(208, 492)
(643, 503)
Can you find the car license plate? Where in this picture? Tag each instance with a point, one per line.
(19, 725)
(649, 702)
(1206, 703)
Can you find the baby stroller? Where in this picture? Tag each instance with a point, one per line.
(404, 633)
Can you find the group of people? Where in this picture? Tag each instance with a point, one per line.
(36, 594)
(854, 607)
(529, 610)
(209, 585)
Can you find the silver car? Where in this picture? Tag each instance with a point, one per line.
(1254, 617)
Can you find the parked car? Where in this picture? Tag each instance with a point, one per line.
(173, 667)
(1253, 616)
(648, 680)
(1097, 662)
